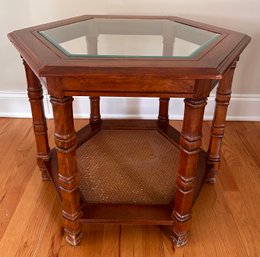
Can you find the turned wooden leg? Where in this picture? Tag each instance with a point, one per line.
(190, 142)
(94, 110)
(39, 121)
(163, 117)
(65, 139)
(218, 125)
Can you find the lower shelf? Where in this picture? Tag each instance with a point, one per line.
(128, 167)
(127, 214)
(127, 170)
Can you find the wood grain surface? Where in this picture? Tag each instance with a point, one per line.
(225, 217)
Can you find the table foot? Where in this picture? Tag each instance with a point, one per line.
(45, 175)
(210, 177)
(210, 181)
(74, 239)
(179, 240)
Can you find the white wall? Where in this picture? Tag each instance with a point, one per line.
(237, 15)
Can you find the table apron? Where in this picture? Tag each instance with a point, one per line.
(124, 87)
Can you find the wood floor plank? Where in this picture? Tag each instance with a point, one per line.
(152, 242)
(111, 241)
(225, 216)
(16, 170)
(140, 241)
(39, 216)
(16, 231)
(128, 235)
(52, 232)
(245, 202)
(214, 231)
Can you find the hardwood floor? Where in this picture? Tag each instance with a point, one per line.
(226, 216)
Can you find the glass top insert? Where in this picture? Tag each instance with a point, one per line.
(102, 37)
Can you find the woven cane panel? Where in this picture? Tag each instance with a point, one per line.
(127, 166)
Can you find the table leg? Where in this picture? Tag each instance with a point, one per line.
(163, 117)
(94, 109)
(65, 139)
(190, 142)
(39, 121)
(217, 131)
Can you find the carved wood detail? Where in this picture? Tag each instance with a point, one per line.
(94, 109)
(65, 140)
(34, 89)
(190, 142)
(218, 125)
(163, 117)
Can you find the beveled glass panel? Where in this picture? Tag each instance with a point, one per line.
(129, 38)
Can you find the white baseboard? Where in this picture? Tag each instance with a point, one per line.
(243, 107)
(16, 105)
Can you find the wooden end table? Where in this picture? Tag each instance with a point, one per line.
(128, 171)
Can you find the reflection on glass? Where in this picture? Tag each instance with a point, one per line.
(129, 38)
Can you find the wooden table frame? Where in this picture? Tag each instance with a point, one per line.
(191, 78)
